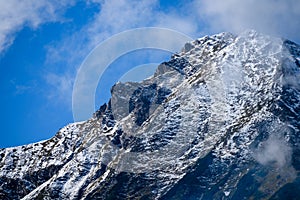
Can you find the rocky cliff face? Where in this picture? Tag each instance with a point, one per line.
(220, 120)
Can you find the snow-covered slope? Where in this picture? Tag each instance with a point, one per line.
(220, 120)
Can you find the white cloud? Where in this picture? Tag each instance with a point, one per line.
(60, 87)
(268, 16)
(14, 15)
(29, 86)
(274, 151)
(176, 22)
(116, 16)
(120, 15)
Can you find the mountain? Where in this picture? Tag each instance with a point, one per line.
(219, 120)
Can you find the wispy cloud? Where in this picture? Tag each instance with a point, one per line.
(23, 88)
(60, 90)
(268, 16)
(14, 15)
(115, 16)
(274, 151)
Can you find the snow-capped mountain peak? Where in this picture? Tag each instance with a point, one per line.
(220, 120)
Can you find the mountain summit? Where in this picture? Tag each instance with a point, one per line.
(220, 120)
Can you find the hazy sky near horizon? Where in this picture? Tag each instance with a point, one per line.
(43, 43)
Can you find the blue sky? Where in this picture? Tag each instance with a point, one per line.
(43, 43)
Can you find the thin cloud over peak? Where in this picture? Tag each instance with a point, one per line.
(268, 16)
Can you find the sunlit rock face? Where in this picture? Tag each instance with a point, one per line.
(220, 120)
